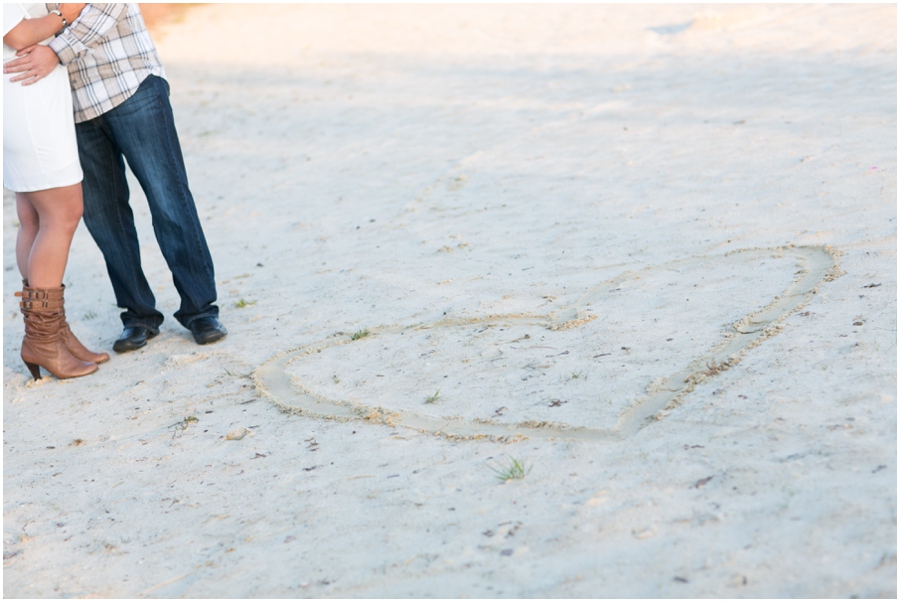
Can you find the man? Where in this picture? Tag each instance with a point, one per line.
(122, 112)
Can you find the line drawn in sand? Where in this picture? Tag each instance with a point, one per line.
(815, 265)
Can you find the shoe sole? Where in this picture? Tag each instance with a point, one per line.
(125, 346)
(211, 338)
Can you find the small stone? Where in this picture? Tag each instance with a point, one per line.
(237, 434)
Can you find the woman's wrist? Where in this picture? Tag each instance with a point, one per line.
(65, 22)
(70, 11)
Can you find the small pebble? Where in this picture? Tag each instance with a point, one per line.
(237, 434)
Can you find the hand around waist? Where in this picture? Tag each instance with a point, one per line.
(32, 65)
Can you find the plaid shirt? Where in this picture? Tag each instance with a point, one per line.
(108, 52)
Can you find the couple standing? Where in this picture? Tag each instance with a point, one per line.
(99, 60)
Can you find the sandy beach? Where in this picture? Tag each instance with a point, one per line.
(648, 253)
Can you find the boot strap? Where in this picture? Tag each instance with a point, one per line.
(54, 294)
(33, 293)
(52, 304)
(34, 304)
(41, 298)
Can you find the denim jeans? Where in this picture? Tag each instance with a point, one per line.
(141, 130)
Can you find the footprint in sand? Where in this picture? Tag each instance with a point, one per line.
(594, 371)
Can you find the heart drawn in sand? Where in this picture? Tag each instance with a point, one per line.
(593, 371)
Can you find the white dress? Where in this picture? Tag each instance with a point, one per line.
(39, 146)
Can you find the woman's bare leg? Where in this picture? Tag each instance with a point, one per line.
(29, 223)
(58, 213)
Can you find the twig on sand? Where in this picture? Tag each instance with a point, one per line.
(164, 583)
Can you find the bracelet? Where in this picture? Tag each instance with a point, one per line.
(65, 23)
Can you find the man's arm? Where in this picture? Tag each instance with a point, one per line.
(36, 62)
(95, 22)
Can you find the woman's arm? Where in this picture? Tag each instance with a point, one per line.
(31, 31)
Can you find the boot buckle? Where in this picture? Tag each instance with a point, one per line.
(32, 303)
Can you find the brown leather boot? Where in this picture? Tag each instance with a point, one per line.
(73, 345)
(43, 345)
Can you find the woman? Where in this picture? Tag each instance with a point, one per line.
(40, 164)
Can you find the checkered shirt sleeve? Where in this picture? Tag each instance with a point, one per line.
(108, 52)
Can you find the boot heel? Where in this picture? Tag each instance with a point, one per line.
(34, 369)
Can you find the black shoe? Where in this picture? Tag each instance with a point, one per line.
(133, 337)
(207, 330)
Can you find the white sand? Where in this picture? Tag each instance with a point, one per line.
(673, 188)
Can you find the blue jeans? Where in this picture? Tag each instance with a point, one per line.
(142, 131)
